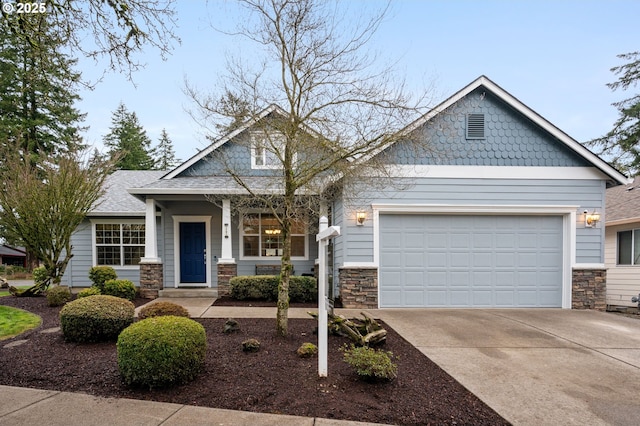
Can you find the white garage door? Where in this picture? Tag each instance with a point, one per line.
(470, 261)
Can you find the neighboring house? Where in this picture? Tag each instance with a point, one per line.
(622, 243)
(492, 215)
(13, 256)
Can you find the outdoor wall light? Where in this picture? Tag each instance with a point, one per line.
(591, 219)
(360, 218)
(226, 230)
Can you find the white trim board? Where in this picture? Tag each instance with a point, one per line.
(497, 172)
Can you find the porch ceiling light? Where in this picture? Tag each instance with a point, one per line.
(591, 219)
(360, 218)
(272, 231)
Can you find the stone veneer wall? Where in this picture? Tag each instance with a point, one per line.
(589, 289)
(359, 287)
(226, 271)
(151, 277)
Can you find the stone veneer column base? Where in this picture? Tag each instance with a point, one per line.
(359, 287)
(226, 271)
(589, 289)
(151, 277)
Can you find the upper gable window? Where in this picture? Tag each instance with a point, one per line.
(266, 151)
(475, 126)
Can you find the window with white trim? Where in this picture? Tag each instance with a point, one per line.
(261, 237)
(119, 244)
(629, 247)
(266, 150)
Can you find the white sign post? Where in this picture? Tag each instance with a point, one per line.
(324, 234)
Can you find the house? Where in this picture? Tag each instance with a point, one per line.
(491, 215)
(13, 256)
(622, 243)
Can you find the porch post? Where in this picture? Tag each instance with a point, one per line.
(151, 269)
(226, 255)
(227, 267)
(151, 235)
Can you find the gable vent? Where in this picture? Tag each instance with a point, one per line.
(475, 126)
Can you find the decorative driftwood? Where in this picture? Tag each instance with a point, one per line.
(363, 332)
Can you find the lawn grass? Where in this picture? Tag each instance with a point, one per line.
(15, 321)
(6, 292)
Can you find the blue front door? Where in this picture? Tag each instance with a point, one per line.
(192, 252)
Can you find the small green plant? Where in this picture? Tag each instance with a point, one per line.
(161, 351)
(159, 309)
(39, 275)
(119, 288)
(95, 318)
(370, 364)
(307, 350)
(90, 291)
(101, 274)
(251, 345)
(58, 295)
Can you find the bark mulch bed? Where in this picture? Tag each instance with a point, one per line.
(274, 380)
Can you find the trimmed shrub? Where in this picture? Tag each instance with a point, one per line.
(370, 364)
(159, 309)
(39, 275)
(90, 291)
(95, 318)
(101, 274)
(119, 288)
(265, 287)
(307, 350)
(161, 351)
(58, 295)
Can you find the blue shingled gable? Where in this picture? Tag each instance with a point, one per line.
(510, 139)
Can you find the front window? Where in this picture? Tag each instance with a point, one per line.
(262, 236)
(119, 244)
(629, 247)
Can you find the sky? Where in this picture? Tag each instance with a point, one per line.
(555, 56)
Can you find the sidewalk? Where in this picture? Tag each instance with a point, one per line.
(25, 406)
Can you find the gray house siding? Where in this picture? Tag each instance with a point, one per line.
(357, 241)
(77, 273)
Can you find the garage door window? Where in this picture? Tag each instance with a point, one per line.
(629, 247)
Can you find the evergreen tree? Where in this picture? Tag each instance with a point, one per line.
(165, 155)
(622, 143)
(38, 89)
(128, 141)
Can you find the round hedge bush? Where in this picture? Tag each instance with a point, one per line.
(101, 274)
(119, 288)
(95, 318)
(159, 309)
(58, 295)
(161, 351)
(89, 291)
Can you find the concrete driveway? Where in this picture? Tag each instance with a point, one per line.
(535, 366)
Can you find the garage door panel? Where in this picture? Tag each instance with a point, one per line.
(463, 260)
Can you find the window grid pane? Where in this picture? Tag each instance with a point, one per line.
(263, 236)
(624, 247)
(119, 244)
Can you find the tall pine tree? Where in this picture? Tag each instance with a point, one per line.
(128, 140)
(622, 143)
(38, 89)
(165, 155)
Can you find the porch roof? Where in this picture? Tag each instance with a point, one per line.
(210, 185)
